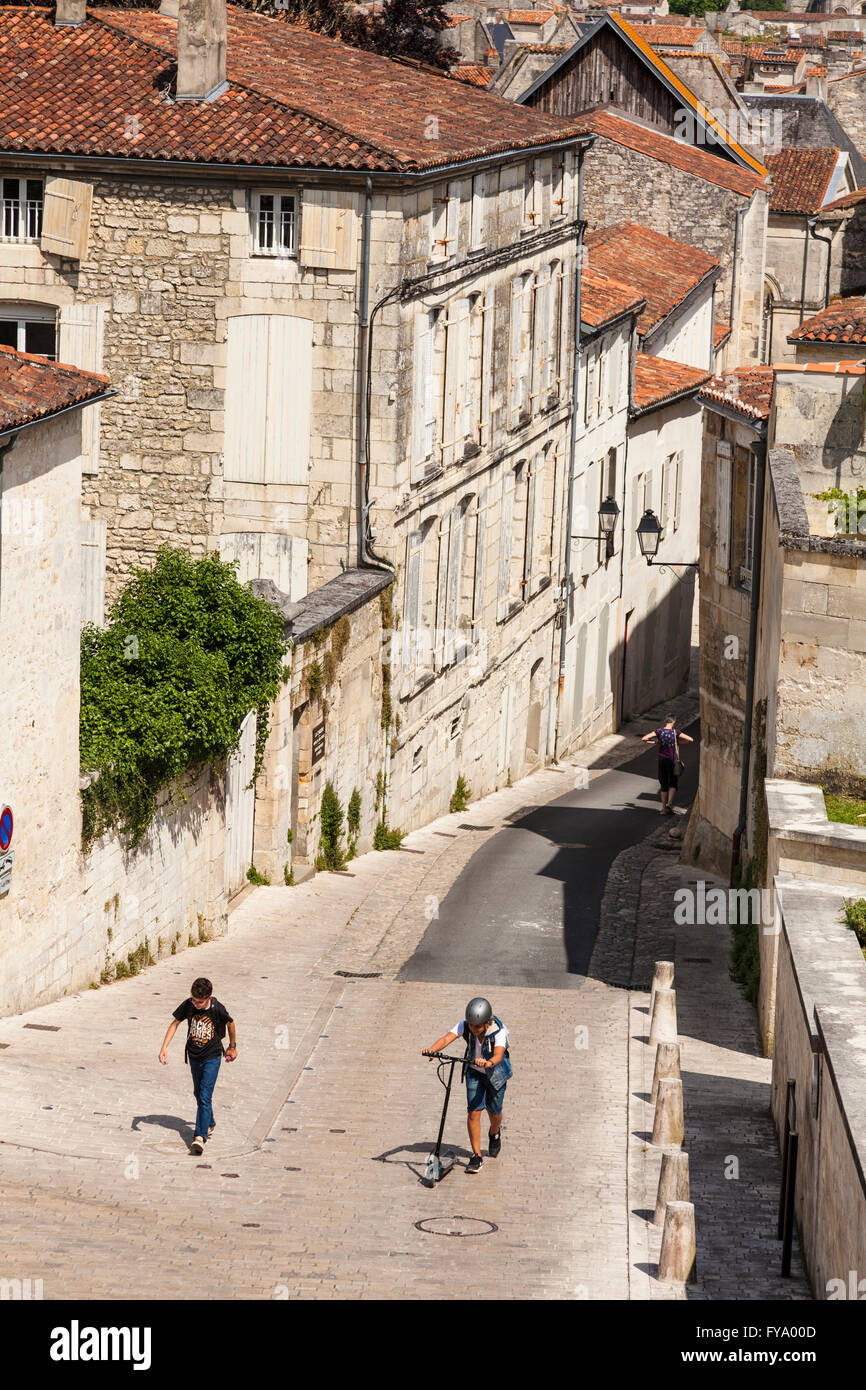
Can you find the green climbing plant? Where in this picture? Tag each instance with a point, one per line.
(186, 653)
(331, 855)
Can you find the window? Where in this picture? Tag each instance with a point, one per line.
(546, 336)
(521, 349)
(445, 221)
(29, 328)
(22, 209)
(478, 233)
(533, 196)
(412, 604)
(274, 218)
(506, 540)
(723, 513)
(487, 309)
(268, 401)
(563, 174)
(457, 400)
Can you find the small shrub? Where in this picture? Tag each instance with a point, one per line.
(288, 876)
(340, 634)
(385, 838)
(462, 794)
(290, 835)
(260, 880)
(330, 855)
(329, 669)
(314, 678)
(854, 913)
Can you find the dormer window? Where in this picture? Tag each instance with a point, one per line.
(22, 209)
(275, 221)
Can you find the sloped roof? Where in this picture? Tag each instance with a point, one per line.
(295, 98)
(747, 390)
(669, 79)
(670, 35)
(801, 175)
(662, 270)
(721, 331)
(658, 381)
(842, 322)
(654, 143)
(32, 388)
(474, 73)
(603, 298)
(848, 200)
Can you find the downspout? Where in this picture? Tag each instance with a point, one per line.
(812, 222)
(760, 451)
(572, 453)
(740, 213)
(805, 268)
(366, 558)
(712, 361)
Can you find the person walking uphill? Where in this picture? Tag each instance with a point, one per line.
(670, 767)
(487, 1069)
(206, 1020)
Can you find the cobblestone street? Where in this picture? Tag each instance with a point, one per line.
(310, 1183)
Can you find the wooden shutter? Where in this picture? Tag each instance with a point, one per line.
(93, 572)
(66, 218)
(636, 512)
(479, 212)
(449, 413)
(268, 398)
(506, 540)
(678, 488)
(578, 680)
(514, 352)
(441, 592)
(269, 555)
(601, 673)
(81, 337)
(412, 604)
(485, 404)
(422, 430)
(480, 552)
(590, 386)
(438, 229)
(455, 584)
(529, 532)
(723, 519)
(329, 229)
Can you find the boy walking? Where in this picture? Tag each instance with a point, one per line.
(206, 1020)
(487, 1071)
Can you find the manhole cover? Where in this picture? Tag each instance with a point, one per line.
(455, 1226)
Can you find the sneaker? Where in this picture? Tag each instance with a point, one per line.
(197, 1145)
(474, 1164)
(494, 1145)
(211, 1130)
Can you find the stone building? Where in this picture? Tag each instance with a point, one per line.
(802, 268)
(43, 409)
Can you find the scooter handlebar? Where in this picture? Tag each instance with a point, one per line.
(441, 1057)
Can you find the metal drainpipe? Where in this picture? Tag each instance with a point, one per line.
(805, 268)
(812, 222)
(366, 558)
(572, 451)
(740, 213)
(760, 450)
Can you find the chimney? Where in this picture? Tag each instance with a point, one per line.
(68, 14)
(201, 50)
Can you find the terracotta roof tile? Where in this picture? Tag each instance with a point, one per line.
(670, 35)
(747, 390)
(295, 98)
(32, 388)
(657, 381)
(527, 16)
(663, 271)
(847, 368)
(842, 322)
(801, 176)
(721, 331)
(474, 73)
(603, 298)
(848, 200)
(657, 145)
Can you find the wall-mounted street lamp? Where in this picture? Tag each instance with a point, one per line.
(607, 516)
(648, 536)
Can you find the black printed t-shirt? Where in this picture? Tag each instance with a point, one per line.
(206, 1028)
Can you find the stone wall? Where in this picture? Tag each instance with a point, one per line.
(622, 184)
(852, 271)
(40, 593)
(165, 895)
(820, 1044)
(845, 98)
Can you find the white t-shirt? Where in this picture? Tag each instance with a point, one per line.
(500, 1039)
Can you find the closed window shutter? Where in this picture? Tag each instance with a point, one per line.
(541, 556)
(412, 611)
(485, 403)
(579, 677)
(506, 540)
(268, 398)
(438, 228)
(529, 540)
(514, 360)
(441, 593)
(455, 578)
(601, 672)
(637, 513)
(590, 386)
(723, 519)
(422, 427)
(66, 218)
(480, 552)
(329, 229)
(82, 330)
(269, 555)
(93, 572)
(452, 369)
(678, 488)
(479, 211)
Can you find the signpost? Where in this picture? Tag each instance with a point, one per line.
(7, 856)
(318, 743)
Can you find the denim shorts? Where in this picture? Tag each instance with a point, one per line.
(480, 1095)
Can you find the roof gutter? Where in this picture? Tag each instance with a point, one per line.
(54, 415)
(636, 411)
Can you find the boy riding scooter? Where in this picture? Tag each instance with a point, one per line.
(487, 1072)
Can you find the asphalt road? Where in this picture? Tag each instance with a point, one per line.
(525, 909)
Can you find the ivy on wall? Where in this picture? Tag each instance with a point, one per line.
(187, 652)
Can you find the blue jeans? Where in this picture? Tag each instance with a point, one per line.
(204, 1077)
(480, 1095)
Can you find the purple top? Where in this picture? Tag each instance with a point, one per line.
(667, 743)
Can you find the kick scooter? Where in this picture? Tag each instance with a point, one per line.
(437, 1167)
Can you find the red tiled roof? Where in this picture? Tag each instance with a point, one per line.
(721, 331)
(844, 35)
(842, 322)
(657, 145)
(748, 390)
(295, 98)
(848, 200)
(818, 71)
(603, 298)
(527, 16)
(473, 73)
(678, 35)
(848, 368)
(663, 271)
(658, 381)
(545, 47)
(801, 176)
(32, 388)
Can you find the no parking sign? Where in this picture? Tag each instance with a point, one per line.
(7, 856)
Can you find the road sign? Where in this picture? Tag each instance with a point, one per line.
(5, 828)
(7, 859)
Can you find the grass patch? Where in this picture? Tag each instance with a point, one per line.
(850, 810)
(854, 913)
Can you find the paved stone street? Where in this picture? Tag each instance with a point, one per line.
(310, 1185)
